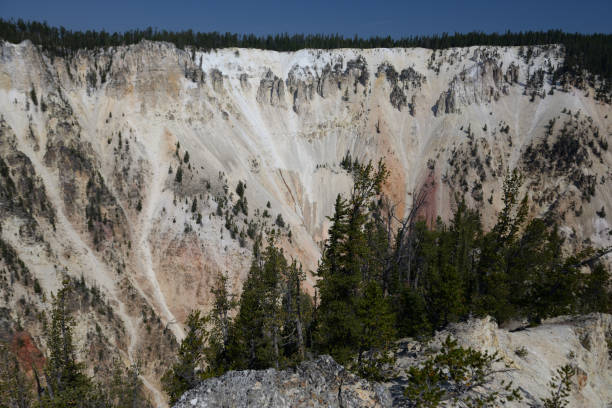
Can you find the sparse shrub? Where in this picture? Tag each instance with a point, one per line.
(33, 96)
(561, 386)
(240, 189)
(454, 374)
(521, 352)
(279, 221)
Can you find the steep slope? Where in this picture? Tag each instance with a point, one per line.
(124, 162)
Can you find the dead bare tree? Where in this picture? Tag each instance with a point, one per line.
(401, 234)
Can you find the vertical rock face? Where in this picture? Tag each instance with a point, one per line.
(216, 78)
(271, 90)
(104, 155)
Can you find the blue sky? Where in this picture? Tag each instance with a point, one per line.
(365, 18)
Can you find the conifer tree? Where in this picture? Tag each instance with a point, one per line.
(350, 275)
(250, 318)
(15, 387)
(222, 348)
(186, 372)
(66, 383)
(294, 305)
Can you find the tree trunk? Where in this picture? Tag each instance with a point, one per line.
(275, 344)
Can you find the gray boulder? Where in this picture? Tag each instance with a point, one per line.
(318, 383)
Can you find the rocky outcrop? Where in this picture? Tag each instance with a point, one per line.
(479, 84)
(318, 383)
(301, 85)
(512, 73)
(446, 103)
(216, 77)
(408, 80)
(531, 354)
(271, 90)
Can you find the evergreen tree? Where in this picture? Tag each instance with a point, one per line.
(125, 389)
(350, 275)
(595, 295)
(494, 294)
(15, 388)
(561, 386)
(66, 383)
(222, 346)
(454, 376)
(295, 309)
(250, 318)
(186, 372)
(179, 175)
(375, 333)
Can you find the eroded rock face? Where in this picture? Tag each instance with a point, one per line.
(92, 146)
(581, 341)
(318, 383)
(271, 90)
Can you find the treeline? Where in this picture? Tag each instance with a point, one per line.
(592, 52)
(382, 277)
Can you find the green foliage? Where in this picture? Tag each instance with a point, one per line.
(516, 270)
(595, 294)
(15, 388)
(221, 350)
(268, 329)
(67, 385)
(240, 188)
(355, 317)
(561, 386)
(185, 373)
(241, 206)
(521, 352)
(280, 221)
(381, 277)
(33, 96)
(125, 389)
(457, 374)
(375, 332)
(178, 178)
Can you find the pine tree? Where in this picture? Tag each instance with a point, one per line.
(350, 273)
(125, 389)
(376, 331)
(453, 376)
(222, 347)
(274, 265)
(294, 304)
(250, 318)
(186, 372)
(561, 386)
(494, 293)
(15, 387)
(66, 384)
